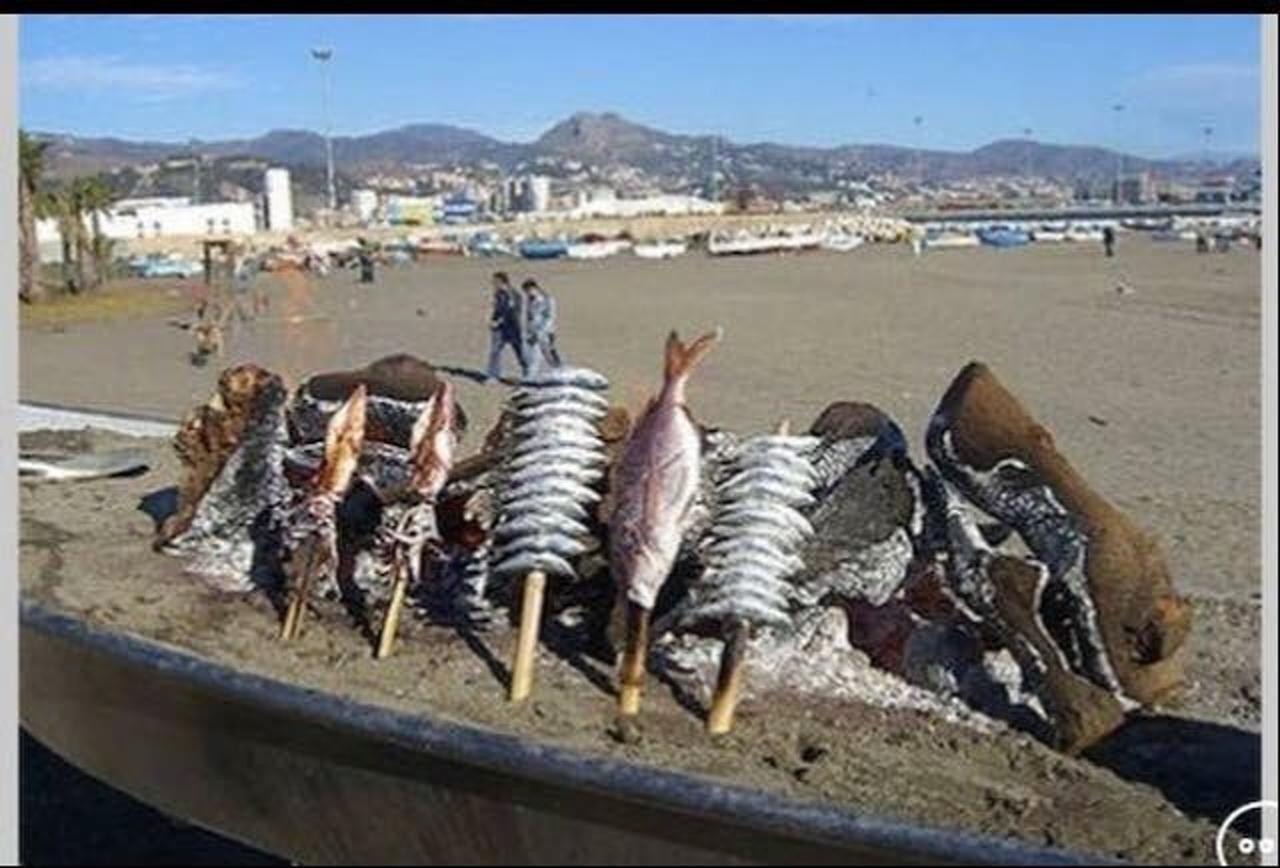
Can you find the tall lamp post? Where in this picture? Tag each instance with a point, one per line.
(918, 120)
(323, 56)
(1117, 110)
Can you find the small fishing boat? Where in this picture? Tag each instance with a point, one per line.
(441, 247)
(951, 239)
(842, 242)
(596, 247)
(1078, 233)
(1003, 236)
(539, 249)
(665, 249)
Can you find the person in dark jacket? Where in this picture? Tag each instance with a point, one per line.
(505, 327)
(1109, 240)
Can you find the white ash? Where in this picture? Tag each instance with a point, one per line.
(814, 659)
(233, 540)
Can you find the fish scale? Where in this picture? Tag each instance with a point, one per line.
(553, 457)
(755, 535)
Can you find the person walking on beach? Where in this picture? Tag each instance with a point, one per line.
(540, 328)
(1109, 240)
(505, 327)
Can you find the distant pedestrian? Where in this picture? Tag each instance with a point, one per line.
(540, 326)
(1109, 240)
(366, 265)
(505, 327)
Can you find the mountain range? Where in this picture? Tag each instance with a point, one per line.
(607, 140)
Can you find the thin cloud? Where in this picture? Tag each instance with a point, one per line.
(118, 75)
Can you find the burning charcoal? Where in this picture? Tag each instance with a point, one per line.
(1002, 593)
(654, 484)
(1108, 602)
(311, 527)
(234, 488)
(398, 388)
(409, 515)
(553, 459)
(750, 560)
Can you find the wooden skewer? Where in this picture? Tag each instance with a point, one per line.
(527, 641)
(632, 670)
(391, 622)
(298, 595)
(729, 682)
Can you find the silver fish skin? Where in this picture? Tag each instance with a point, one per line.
(741, 581)
(559, 410)
(799, 443)
(527, 562)
(534, 523)
(554, 425)
(772, 490)
(564, 454)
(584, 378)
(557, 440)
(779, 564)
(558, 469)
(557, 544)
(766, 545)
(540, 502)
(552, 394)
(772, 472)
(557, 485)
(765, 513)
(766, 612)
(785, 460)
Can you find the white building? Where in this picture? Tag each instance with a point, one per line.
(537, 193)
(365, 204)
(666, 204)
(279, 200)
(129, 223)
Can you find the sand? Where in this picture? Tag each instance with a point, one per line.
(1153, 395)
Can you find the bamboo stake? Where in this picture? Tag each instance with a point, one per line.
(527, 641)
(729, 682)
(391, 622)
(632, 671)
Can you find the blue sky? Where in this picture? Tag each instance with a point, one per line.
(820, 79)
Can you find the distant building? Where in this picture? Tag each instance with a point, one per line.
(279, 200)
(365, 204)
(412, 210)
(664, 204)
(126, 221)
(537, 193)
(459, 209)
(1134, 189)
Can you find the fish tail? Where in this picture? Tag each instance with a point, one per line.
(436, 415)
(682, 358)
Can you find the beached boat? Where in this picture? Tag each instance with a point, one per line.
(842, 242)
(668, 249)
(536, 249)
(1003, 236)
(951, 239)
(596, 247)
(1048, 235)
(1084, 233)
(441, 247)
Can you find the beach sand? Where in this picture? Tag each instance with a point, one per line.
(1153, 395)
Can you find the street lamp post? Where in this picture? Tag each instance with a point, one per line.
(918, 120)
(1117, 109)
(323, 56)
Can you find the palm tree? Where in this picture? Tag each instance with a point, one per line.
(58, 204)
(31, 168)
(95, 197)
